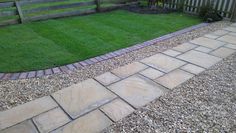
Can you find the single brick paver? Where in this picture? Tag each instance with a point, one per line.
(83, 97)
(94, 122)
(51, 120)
(163, 62)
(25, 111)
(137, 90)
(117, 109)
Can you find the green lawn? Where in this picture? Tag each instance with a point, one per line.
(44, 44)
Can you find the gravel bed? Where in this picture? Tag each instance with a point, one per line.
(16, 92)
(205, 103)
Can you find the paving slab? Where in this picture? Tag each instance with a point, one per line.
(232, 34)
(117, 109)
(174, 78)
(231, 28)
(171, 52)
(137, 90)
(222, 52)
(83, 97)
(211, 36)
(24, 127)
(192, 69)
(220, 32)
(232, 46)
(228, 39)
(206, 42)
(203, 49)
(163, 62)
(199, 58)
(51, 120)
(151, 73)
(107, 78)
(26, 111)
(129, 69)
(185, 47)
(93, 122)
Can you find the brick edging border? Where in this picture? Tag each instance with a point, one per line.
(77, 65)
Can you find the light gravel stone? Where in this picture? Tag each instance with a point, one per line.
(205, 103)
(16, 92)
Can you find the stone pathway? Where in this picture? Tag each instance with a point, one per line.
(94, 104)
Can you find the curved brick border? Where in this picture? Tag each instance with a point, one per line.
(70, 67)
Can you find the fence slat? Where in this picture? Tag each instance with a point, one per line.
(29, 2)
(8, 13)
(18, 7)
(7, 4)
(9, 22)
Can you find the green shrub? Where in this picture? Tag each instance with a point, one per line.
(209, 14)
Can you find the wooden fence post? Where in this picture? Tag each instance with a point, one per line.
(233, 17)
(98, 3)
(18, 7)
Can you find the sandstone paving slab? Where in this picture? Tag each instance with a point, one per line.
(232, 46)
(26, 111)
(83, 97)
(222, 52)
(137, 90)
(232, 34)
(151, 73)
(185, 47)
(117, 109)
(220, 32)
(192, 69)
(163, 62)
(107, 78)
(199, 58)
(228, 39)
(171, 52)
(203, 49)
(174, 78)
(230, 28)
(93, 122)
(23, 127)
(51, 120)
(211, 36)
(129, 69)
(206, 42)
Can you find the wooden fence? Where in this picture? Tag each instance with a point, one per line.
(13, 12)
(224, 7)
